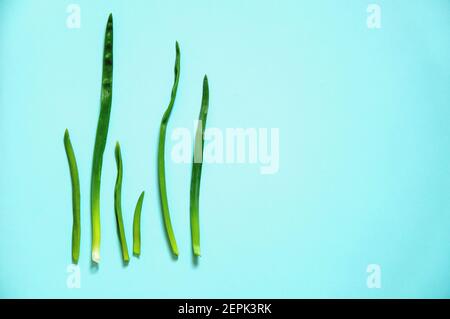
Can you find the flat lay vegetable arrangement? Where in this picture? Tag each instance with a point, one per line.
(97, 162)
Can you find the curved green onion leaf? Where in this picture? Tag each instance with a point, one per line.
(197, 169)
(161, 149)
(118, 205)
(76, 227)
(137, 226)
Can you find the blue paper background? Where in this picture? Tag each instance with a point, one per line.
(364, 146)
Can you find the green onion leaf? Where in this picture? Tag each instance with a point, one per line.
(197, 169)
(101, 136)
(76, 227)
(161, 149)
(137, 226)
(118, 205)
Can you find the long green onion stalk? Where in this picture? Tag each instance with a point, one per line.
(76, 227)
(161, 150)
(118, 205)
(101, 136)
(197, 169)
